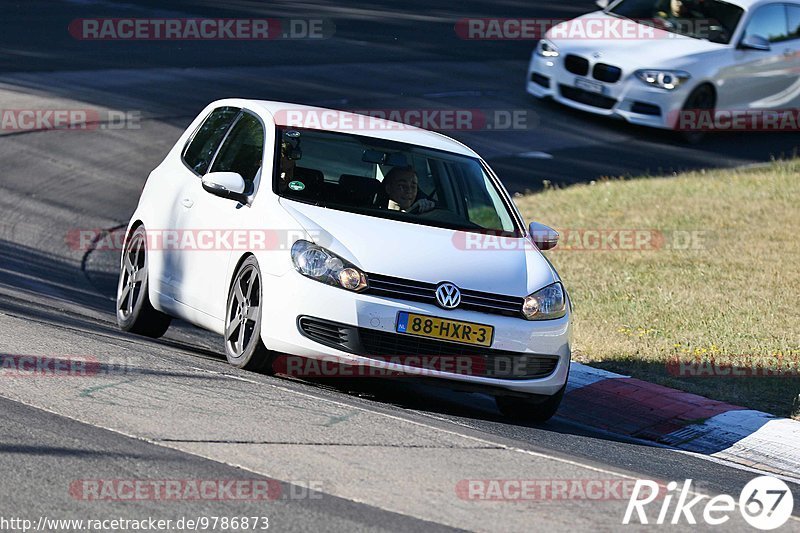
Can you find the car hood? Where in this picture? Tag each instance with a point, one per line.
(663, 50)
(425, 253)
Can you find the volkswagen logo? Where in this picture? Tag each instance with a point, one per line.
(448, 295)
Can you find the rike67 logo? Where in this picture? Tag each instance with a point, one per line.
(766, 503)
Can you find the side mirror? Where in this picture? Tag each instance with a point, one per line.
(602, 4)
(228, 185)
(544, 237)
(755, 42)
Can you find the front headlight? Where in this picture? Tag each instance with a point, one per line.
(546, 48)
(663, 79)
(546, 304)
(323, 265)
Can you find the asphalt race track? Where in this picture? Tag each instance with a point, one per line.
(385, 455)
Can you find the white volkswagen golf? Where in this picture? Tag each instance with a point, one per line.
(359, 239)
(680, 55)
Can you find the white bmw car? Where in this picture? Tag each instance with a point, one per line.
(691, 55)
(360, 239)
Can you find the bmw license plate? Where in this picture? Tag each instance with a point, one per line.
(589, 85)
(442, 328)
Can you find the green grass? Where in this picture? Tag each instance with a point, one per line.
(722, 282)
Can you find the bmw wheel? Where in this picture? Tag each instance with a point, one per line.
(701, 99)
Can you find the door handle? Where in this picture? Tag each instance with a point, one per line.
(187, 203)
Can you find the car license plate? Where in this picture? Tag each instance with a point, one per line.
(588, 85)
(442, 328)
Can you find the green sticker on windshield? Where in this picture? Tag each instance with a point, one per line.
(297, 185)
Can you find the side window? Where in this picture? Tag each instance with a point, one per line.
(203, 145)
(769, 22)
(794, 21)
(243, 150)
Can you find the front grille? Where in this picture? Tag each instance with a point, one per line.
(538, 79)
(401, 289)
(577, 65)
(476, 360)
(419, 291)
(606, 73)
(585, 97)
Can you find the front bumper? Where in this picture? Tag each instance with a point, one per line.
(629, 98)
(303, 297)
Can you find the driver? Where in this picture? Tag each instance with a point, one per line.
(677, 9)
(678, 17)
(401, 184)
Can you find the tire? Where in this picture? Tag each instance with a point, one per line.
(135, 313)
(536, 409)
(702, 98)
(243, 345)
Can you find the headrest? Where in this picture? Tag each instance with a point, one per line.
(358, 190)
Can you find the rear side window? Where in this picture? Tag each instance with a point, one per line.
(769, 22)
(209, 135)
(243, 149)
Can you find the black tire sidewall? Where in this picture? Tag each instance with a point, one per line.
(537, 409)
(696, 137)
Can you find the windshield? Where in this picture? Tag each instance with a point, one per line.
(390, 180)
(713, 20)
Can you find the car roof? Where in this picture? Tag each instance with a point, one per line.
(289, 114)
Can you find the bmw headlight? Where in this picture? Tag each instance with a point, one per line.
(546, 48)
(546, 304)
(663, 79)
(323, 265)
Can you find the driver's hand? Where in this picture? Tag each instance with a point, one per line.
(422, 206)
